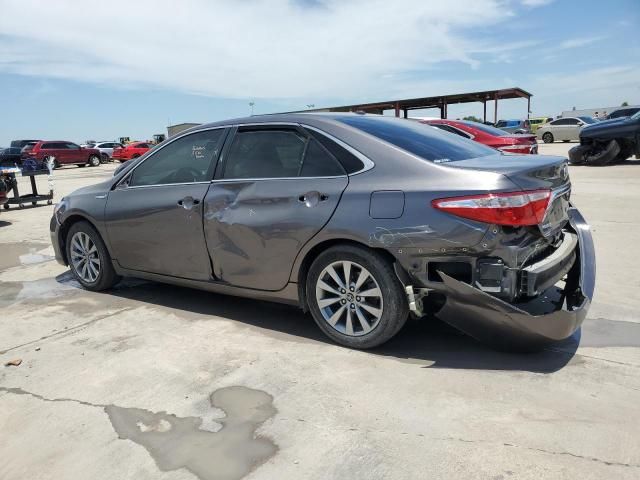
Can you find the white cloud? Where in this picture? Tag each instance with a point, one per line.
(589, 88)
(580, 42)
(242, 49)
(536, 3)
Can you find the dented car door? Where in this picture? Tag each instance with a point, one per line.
(154, 215)
(275, 189)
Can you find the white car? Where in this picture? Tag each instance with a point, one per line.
(106, 150)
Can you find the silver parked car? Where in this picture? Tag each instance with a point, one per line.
(358, 219)
(566, 129)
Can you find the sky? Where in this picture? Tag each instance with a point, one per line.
(89, 69)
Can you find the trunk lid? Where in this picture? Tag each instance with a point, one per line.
(532, 172)
(529, 172)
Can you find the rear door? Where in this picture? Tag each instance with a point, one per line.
(572, 129)
(75, 154)
(275, 188)
(154, 216)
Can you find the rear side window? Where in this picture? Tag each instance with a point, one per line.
(449, 129)
(418, 139)
(45, 146)
(278, 153)
(265, 154)
(188, 159)
(349, 162)
(318, 163)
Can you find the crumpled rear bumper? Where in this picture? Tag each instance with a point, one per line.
(553, 316)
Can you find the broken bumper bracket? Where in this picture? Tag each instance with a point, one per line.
(533, 325)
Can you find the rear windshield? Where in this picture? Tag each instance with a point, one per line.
(496, 132)
(422, 140)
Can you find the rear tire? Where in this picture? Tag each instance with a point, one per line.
(577, 153)
(104, 158)
(88, 258)
(94, 160)
(547, 137)
(355, 297)
(605, 155)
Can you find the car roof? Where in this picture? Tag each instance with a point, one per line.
(295, 117)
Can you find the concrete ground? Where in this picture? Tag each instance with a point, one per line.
(156, 382)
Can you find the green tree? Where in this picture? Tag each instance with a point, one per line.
(625, 104)
(471, 118)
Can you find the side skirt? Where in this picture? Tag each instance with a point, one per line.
(288, 295)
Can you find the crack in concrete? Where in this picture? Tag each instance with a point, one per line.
(67, 331)
(549, 452)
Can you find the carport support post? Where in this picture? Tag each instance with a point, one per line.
(484, 108)
(404, 112)
(528, 107)
(397, 109)
(495, 111)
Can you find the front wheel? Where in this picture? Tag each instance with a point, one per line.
(547, 138)
(355, 297)
(94, 160)
(89, 259)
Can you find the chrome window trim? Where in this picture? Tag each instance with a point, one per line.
(154, 151)
(367, 162)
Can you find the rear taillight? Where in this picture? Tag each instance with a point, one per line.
(513, 208)
(525, 148)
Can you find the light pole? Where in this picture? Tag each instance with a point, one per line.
(251, 104)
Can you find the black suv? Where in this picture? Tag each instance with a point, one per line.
(608, 142)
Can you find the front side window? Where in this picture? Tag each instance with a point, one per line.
(186, 160)
(71, 146)
(421, 140)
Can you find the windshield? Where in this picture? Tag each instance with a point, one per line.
(422, 140)
(636, 115)
(587, 119)
(496, 132)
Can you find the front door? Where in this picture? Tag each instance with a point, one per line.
(154, 216)
(275, 189)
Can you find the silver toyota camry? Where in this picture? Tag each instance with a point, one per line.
(360, 220)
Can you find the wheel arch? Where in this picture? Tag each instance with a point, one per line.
(315, 251)
(64, 231)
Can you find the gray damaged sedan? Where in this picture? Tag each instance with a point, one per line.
(359, 219)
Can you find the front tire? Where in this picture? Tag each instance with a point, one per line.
(89, 259)
(94, 160)
(547, 137)
(355, 297)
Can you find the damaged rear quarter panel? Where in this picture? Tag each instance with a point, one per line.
(421, 230)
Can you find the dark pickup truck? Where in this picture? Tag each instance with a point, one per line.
(608, 142)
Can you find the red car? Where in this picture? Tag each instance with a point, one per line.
(63, 153)
(133, 150)
(487, 135)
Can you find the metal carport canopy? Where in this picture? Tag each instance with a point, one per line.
(440, 102)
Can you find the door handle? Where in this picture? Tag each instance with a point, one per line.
(188, 202)
(311, 199)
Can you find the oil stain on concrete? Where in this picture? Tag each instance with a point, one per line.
(174, 442)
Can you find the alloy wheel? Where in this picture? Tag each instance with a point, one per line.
(84, 257)
(349, 298)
